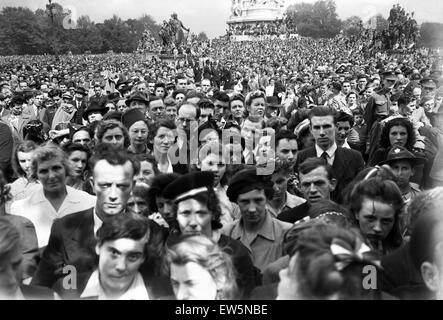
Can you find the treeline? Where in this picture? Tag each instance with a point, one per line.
(23, 31)
(320, 20)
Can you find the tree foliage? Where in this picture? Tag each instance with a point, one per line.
(23, 31)
(431, 35)
(318, 20)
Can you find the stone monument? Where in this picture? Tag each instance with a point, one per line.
(250, 18)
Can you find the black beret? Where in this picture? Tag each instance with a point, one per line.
(188, 185)
(247, 180)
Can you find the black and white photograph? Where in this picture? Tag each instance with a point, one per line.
(242, 151)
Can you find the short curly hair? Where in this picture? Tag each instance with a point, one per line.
(397, 122)
(46, 153)
(112, 124)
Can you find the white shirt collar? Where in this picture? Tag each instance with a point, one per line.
(330, 151)
(137, 290)
(345, 144)
(97, 222)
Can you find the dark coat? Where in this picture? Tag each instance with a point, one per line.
(347, 164)
(36, 292)
(72, 243)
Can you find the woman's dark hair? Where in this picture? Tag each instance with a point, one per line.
(383, 172)
(25, 147)
(210, 199)
(384, 191)
(127, 226)
(401, 122)
(113, 124)
(316, 270)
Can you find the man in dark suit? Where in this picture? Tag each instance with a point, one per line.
(346, 163)
(72, 241)
(121, 249)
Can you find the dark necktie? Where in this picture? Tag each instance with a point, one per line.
(324, 155)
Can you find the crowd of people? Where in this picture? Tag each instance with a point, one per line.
(255, 170)
(268, 28)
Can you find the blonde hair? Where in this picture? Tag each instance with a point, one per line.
(206, 253)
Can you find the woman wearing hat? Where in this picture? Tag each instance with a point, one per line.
(95, 112)
(134, 121)
(197, 212)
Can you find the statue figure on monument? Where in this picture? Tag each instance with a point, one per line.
(177, 28)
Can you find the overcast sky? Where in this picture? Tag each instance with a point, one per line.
(211, 15)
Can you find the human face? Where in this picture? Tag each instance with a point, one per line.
(112, 185)
(139, 105)
(24, 160)
(369, 92)
(252, 206)
(146, 174)
(78, 160)
(52, 175)
(237, 109)
(138, 133)
(182, 84)
(208, 135)
(111, 106)
(408, 110)
(164, 207)
(160, 92)
(376, 220)
(346, 88)
(137, 205)
(250, 132)
(194, 218)
(287, 150)
(206, 85)
(186, 115)
(114, 137)
(179, 98)
(121, 106)
(316, 186)
(17, 109)
(416, 93)
(171, 112)
(142, 87)
(358, 119)
(398, 136)
(119, 261)
(94, 116)
(163, 140)
(11, 273)
(192, 282)
(352, 99)
(214, 163)
(205, 114)
(81, 137)
(38, 101)
(404, 171)
(343, 129)
(429, 105)
(257, 107)
(97, 90)
(323, 130)
(280, 180)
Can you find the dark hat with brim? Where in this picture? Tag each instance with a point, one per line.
(114, 97)
(81, 90)
(400, 153)
(137, 96)
(429, 83)
(272, 102)
(95, 107)
(188, 186)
